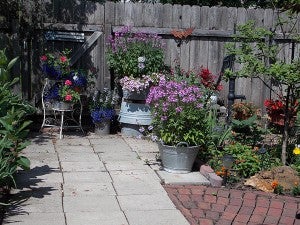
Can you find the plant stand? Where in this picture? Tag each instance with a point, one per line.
(70, 117)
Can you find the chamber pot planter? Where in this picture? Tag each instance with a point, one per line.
(179, 158)
(103, 128)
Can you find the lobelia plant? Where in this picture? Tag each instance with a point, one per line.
(102, 106)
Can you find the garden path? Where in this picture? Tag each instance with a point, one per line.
(105, 181)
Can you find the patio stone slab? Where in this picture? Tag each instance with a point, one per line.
(118, 156)
(134, 164)
(82, 166)
(105, 145)
(41, 174)
(78, 157)
(39, 148)
(79, 141)
(136, 182)
(36, 219)
(43, 204)
(141, 145)
(145, 202)
(90, 204)
(74, 149)
(86, 177)
(157, 217)
(182, 179)
(92, 218)
(89, 189)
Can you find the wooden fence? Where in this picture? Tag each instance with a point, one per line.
(94, 22)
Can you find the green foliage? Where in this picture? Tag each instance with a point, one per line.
(246, 163)
(134, 54)
(13, 128)
(296, 190)
(5, 66)
(247, 131)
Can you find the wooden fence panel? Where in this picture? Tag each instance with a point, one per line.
(205, 47)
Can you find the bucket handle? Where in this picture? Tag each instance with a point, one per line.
(182, 144)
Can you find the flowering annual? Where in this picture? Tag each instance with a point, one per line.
(102, 106)
(178, 112)
(134, 54)
(56, 65)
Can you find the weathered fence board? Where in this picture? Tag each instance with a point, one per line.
(213, 28)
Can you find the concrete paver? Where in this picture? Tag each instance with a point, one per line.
(36, 219)
(88, 189)
(96, 218)
(82, 166)
(157, 217)
(86, 177)
(90, 204)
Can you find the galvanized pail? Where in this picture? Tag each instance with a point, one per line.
(178, 159)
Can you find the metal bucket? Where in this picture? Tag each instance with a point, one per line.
(102, 128)
(178, 159)
(132, 116)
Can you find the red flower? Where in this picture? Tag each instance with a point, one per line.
(43, 58)
(68, 82)
(68, 97)
(219, 87)
(63, 59)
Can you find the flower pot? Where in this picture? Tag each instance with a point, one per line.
(178, 159)
(63, 105)
(102, 128)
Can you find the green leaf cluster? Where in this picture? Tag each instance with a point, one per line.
(13, 126)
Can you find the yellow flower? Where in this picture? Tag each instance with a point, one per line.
(296, 150)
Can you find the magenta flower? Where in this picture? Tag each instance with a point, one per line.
(68, 82)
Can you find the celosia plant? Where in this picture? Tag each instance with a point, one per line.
(276, 108)
(178, 112)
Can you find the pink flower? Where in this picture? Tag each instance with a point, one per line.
(68, 82)
(68, 97)
(63, 59)
(43, 58)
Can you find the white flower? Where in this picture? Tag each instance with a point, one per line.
(75, 77)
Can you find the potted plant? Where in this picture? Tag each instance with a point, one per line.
(102, 110)
(56, 65)
(180, 104)
(63, 85)
(135, 58)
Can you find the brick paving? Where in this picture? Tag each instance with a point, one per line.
(205, 205)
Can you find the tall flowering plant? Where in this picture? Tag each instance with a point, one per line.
(134, 54)
(178, 112)
(134, 57)
(102, 106)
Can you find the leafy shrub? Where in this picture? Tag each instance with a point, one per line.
(13, 126)
(246, 164)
